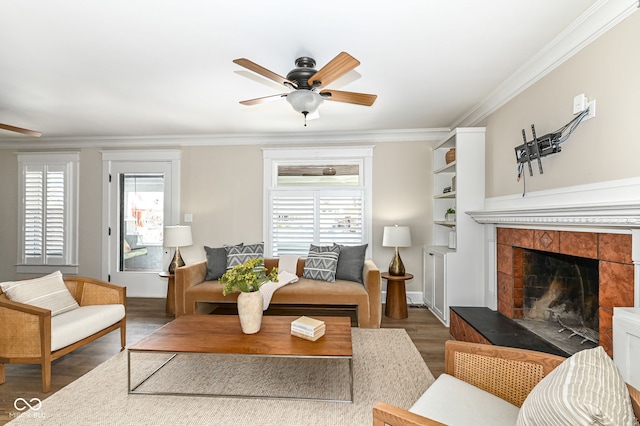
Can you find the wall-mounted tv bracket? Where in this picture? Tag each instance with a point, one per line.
(536, 149)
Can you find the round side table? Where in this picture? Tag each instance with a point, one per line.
(396, 303)
(171, 292)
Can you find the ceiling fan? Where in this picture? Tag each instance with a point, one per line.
(306, 83)
(20, 130)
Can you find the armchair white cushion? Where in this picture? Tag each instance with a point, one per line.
(468, 406)
(75, 325)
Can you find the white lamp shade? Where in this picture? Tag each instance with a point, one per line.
(304, 100)
(177, 236)
(396, 236)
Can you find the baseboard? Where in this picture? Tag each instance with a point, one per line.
(414, 298)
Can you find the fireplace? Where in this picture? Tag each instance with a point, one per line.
(560, 298)
(575, 277)
(561, 289)
(598, 221)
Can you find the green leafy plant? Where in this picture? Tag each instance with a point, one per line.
(247, 277)
(451, 210)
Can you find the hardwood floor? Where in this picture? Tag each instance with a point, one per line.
(146, 315)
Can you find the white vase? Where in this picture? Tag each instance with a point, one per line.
(250, 311)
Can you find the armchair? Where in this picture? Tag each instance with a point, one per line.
(26, 332)
(508, 373)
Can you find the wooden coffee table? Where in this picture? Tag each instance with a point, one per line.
(221, 334)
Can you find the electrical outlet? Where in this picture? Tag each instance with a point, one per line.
(579, 103)
(592, 110)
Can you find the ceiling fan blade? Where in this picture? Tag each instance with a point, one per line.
(262, 71)
(349, 97)
(336, 68)
(20, 130)
(263, 99)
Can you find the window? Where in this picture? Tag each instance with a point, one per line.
(48, 212)
(316, 196)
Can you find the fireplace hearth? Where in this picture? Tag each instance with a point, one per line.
(580, 258)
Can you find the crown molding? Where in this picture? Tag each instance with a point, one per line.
(597, 20)
(298, 138)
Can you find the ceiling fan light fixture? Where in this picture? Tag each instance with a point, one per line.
(304, 101)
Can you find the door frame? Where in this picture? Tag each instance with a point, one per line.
(137, 156)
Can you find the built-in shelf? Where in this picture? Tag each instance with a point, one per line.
(444, 223)
(450, 194)
(441, 249)
(454, 275)
(449, 168)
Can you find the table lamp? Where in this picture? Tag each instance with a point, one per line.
(177, 236)
(396, 236)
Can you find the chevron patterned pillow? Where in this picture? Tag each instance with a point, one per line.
(239, 254)
(321, 263)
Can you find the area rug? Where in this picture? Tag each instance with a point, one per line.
(386, 367)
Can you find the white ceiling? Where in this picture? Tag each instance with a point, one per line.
(138, 68)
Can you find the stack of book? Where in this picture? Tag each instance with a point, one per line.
(308, 328)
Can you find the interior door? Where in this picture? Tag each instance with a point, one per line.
(139, 206)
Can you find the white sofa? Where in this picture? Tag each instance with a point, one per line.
(493, 385)
(83, 309)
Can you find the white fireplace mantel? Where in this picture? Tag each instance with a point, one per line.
(602, 205)
(600, 216)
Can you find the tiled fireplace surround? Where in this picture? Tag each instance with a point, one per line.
(598, 221)
(613, 252)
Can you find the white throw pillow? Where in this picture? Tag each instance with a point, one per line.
(586, 389)
(48, 292)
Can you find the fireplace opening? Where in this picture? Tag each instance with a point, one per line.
(560, 299)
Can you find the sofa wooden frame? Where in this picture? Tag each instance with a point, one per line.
(25, 335)
(477, 364)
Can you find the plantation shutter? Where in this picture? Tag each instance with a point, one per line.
(340, 219)
(55, 214)
(301, 218)
(34, 212)
(292, 223)
(44, 214)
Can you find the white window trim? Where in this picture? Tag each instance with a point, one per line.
(71, 161)
(272, 157)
